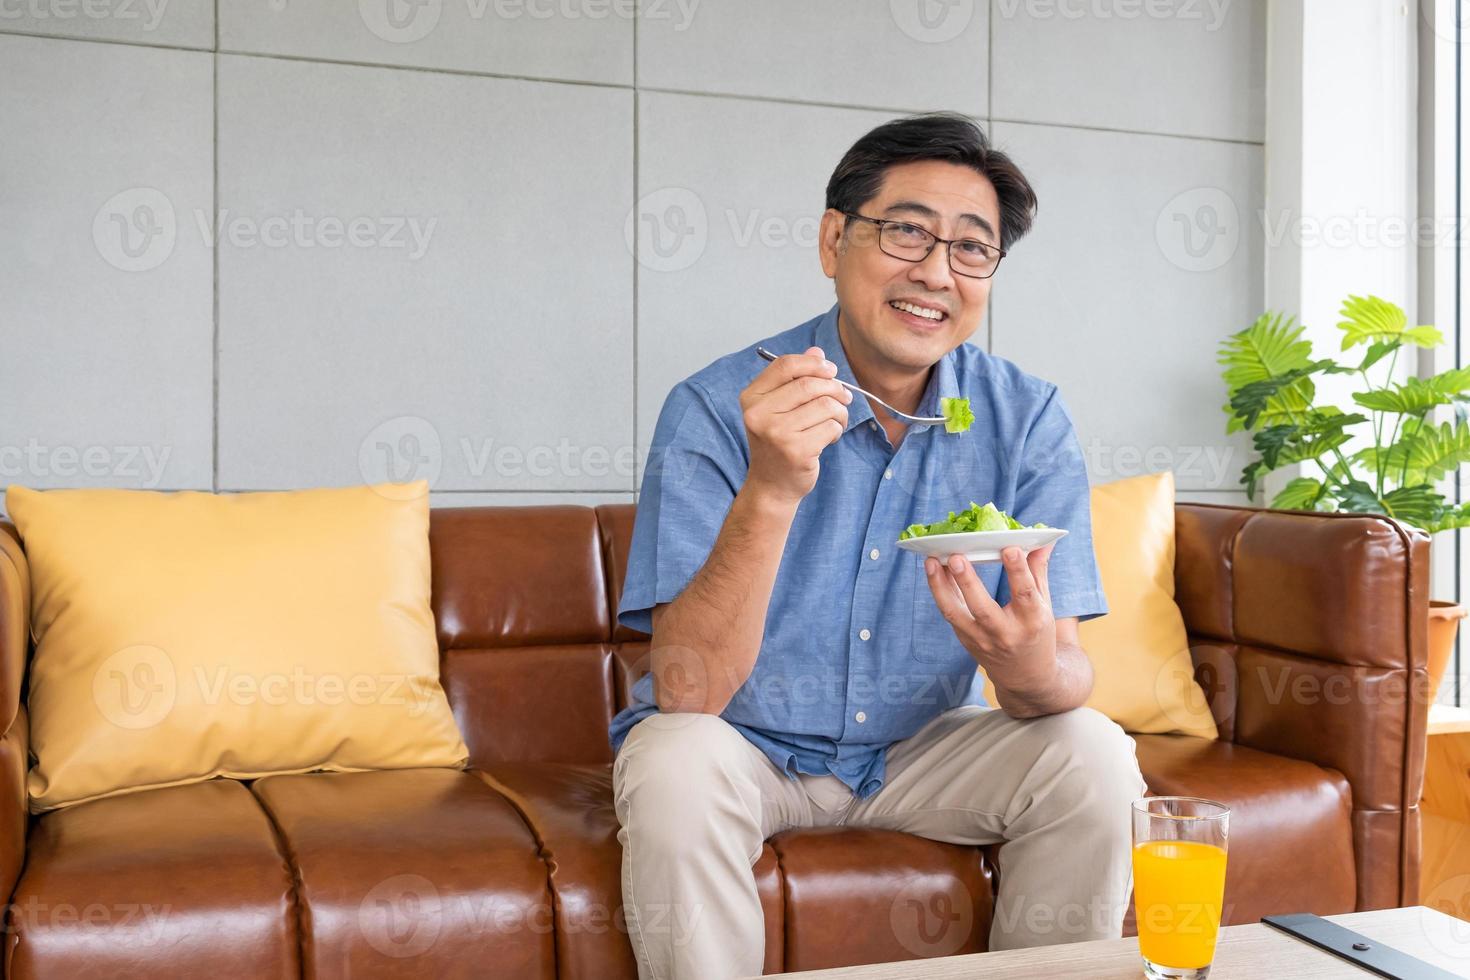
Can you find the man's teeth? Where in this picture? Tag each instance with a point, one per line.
(918, 311)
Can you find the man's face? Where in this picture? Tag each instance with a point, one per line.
(948, 200)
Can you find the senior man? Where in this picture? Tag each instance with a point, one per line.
(805, 672)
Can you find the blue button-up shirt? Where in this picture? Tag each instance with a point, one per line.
(855, 654)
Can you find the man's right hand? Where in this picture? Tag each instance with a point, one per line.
(793, 410)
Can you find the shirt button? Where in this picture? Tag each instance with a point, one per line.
(860, 717)
(887, 474)
(872, 424)
(873, 554)
(865, 635)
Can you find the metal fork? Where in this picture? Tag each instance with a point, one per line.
(905, 416)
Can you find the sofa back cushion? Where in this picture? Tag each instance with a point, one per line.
(183, 636)
(1140, 651)
(522, 601)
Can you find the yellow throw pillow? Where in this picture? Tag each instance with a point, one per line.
(1143, 673)
(183, 636)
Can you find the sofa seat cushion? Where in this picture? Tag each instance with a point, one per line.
(874, 896)
(570, 810)
(412, 873)
(183, 881)
(1291, 835)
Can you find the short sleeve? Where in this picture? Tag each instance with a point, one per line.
(695, 465)
(1052, 489)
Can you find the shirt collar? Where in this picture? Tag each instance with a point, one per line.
(942, 380)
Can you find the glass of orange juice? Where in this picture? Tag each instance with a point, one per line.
(1179, 845)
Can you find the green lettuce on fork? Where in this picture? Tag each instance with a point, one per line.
(972, 518)
(957, 414)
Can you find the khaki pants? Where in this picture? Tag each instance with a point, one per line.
(696, 801)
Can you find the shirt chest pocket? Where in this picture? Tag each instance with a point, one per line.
(934, 639)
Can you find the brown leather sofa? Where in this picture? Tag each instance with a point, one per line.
(1308, 632)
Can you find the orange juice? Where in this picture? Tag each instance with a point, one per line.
(1178, 888)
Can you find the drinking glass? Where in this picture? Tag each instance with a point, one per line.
(1179, 846)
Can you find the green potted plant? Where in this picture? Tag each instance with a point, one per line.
(1269, 373)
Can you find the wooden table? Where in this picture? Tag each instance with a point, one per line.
(1245, 952)
(1444, 868)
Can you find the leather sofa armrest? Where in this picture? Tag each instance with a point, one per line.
(15, 600)
(1309, 632)
(15, 623)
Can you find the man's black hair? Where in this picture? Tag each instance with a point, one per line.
(946, 136)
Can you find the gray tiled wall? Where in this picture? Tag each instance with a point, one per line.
(280, 243)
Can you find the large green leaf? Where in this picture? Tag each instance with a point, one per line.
(1277, 399)
(1266, 348)
(1392, 460)
(1358, 497)
(1321, 431)
(1270, 347)
(1420, 505)
(1302, 493)
(1455, 381)
(1435, 453)
(1413, 397)
(1393, 464)
(1302, 449)
(1272, 441)
(1451, 518)
(1421, 454)
(1250, 474)
(1368, 457)
(1286, 405)
(1369, 319)
(1377, 352)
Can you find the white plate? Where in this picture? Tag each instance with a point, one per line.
(982, 545)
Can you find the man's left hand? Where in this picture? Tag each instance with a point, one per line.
(1015, 643)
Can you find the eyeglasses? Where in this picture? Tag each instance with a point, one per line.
(907, 241)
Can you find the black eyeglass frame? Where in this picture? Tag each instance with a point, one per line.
(948, 243)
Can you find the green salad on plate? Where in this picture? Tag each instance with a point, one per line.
(972, 518)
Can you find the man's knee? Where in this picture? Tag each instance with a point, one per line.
(673, 766)
(1100, 758)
